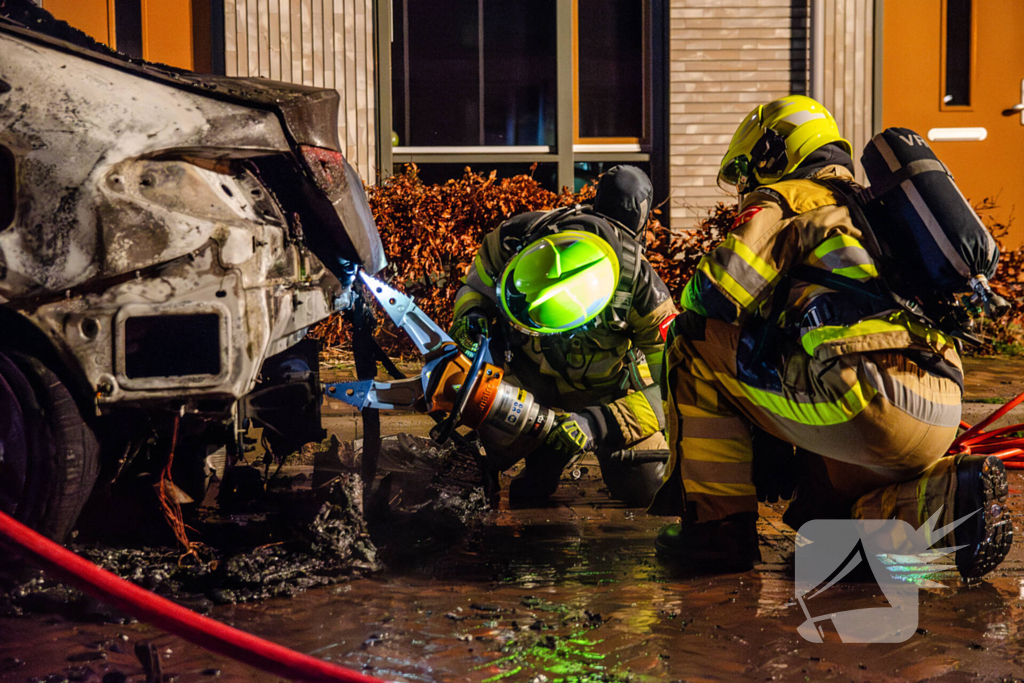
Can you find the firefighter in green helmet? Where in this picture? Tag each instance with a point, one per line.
(577, 315)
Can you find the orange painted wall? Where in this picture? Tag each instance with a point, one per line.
(94, 17)
(167, 32)
(166, 26)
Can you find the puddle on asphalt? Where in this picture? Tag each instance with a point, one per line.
(569, 593)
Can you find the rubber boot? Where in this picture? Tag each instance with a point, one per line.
(970, 488)
(538, 481)
(729, 544)
(633, 484)
(986, 536)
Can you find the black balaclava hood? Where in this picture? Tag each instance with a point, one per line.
(826, 155)
(625, 194)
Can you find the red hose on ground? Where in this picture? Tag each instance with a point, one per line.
(146, 606)
(998, 413)
(1005, 443)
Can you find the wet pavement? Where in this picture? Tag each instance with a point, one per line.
(573, 592)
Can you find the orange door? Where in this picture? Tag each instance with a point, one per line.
(93, 17)
(166, 25)
(953, 70)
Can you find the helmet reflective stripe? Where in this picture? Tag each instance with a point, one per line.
(801, 117)
(804, 126)
(558, 283)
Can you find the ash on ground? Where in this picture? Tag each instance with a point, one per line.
(301, 528)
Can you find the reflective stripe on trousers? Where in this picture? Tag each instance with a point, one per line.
(882, 416)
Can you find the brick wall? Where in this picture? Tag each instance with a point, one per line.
(727, 56)
(324, 43)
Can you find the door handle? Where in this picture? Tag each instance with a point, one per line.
(1017, 108)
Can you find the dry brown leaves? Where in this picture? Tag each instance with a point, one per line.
(432, 232)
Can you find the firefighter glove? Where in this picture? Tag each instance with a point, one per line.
(467, 329)
(573, 434)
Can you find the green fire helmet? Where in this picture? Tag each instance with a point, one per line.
(558, 283)
(774, 140)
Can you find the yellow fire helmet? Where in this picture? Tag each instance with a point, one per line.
(774, 139)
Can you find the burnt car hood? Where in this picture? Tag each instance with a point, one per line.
(307, 115)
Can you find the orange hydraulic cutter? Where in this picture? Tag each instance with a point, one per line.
(470, 391)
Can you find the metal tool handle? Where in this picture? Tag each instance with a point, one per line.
(445, 429)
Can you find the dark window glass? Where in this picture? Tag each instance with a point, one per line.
(519, 72)
(128, 27)
(611, 68)
(546, 174)
(958, 52)
(172, 345)
(469, 72)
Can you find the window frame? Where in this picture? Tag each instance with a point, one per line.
(943, 51)
(566, 151)
(619, 142)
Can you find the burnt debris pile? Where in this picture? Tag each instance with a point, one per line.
(301, 528)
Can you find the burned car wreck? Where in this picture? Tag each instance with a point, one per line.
(166, 241)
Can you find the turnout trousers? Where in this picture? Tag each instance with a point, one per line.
(879, 422)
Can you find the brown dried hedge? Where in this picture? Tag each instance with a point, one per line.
(431, 233)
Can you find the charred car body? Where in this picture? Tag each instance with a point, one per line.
(165, 238)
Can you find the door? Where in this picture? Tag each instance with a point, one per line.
(953, 70)
(155, 30)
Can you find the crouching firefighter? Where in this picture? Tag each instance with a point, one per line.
(579, 315)
(826, 321)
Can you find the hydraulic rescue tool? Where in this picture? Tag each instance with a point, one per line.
(471, 391)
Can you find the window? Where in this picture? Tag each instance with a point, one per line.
(609, 66)
(128, 27)
(545, 174)
(502, 84)
(473, 73)
(958, 27)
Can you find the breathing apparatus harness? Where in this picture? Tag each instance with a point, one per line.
(632, 246)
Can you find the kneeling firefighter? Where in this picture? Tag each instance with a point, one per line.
(826, 320)
(580, 316)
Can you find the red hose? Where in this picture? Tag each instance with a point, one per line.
(1002, 443)
(998, 413)
(146, 606)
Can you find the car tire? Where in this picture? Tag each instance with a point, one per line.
(52, 469)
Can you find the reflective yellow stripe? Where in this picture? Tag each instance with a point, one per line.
(482, 272)
(762, 267)
(468, 300)
(690, 299)
(930, 336)
(831, 244)
(829, 333)
(824, 413)
(723, 279)
(707, 395)
(717, 450)
(645, 368)
(693, 411)
(714, 489)
(861, 272)
(638, 404)
(922, 505)
(896, 322)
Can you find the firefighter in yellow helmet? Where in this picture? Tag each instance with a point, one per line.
(767, 356)
(578, 316)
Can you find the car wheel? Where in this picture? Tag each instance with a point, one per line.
(49, 457)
